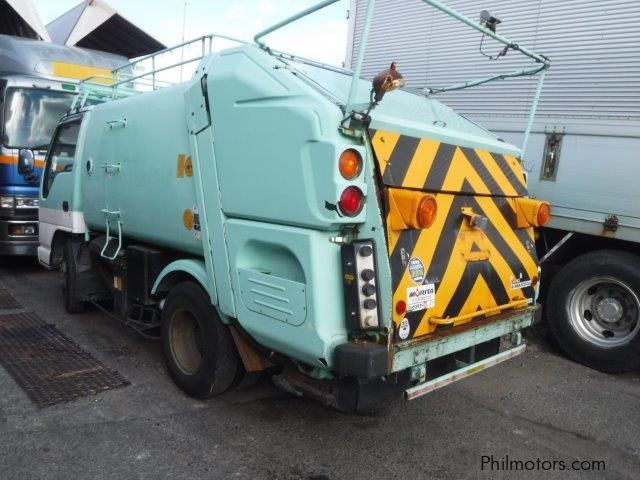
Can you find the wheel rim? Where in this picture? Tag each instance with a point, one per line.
(604, 311)
(185, 339)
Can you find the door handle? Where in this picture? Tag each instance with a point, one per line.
(65, 206)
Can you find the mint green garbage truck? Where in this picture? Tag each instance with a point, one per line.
(272, 213)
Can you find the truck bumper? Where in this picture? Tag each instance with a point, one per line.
(427, 387)
(19, 247)
(418, 352)
(13, 240)
(417, 356)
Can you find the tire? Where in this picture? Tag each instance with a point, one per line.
(72, 303)
(199, 351)
(593, 310)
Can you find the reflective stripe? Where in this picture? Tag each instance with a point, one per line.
(13, 160)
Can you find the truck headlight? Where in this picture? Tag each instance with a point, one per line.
(7, 202)
(26, 202)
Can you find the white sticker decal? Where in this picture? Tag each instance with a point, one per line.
(518, 283)
(421, 298)
(416, 270)
(405, 328)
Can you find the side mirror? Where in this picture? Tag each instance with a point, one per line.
(26, 162)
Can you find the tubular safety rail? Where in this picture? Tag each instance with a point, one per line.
(123, 83)
(542, 63)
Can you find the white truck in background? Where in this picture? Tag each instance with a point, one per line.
(582, 154)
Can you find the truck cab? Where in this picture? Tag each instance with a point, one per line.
(31, 109)
(38, 83)
(273, 212)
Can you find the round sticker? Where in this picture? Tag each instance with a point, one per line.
(405, 329)
(416, 270)
(188, 220)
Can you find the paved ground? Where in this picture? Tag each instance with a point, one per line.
(540, 405)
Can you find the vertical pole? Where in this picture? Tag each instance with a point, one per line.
(361, 50)
(184, 26)
(153, 70)
(532, 113)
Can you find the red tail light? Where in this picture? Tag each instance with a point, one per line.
(351, 201)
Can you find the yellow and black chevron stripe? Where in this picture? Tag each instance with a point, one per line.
(472, 269)
(430, 165)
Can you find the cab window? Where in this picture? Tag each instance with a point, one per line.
(61, 154)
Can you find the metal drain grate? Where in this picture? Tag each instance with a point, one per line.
(7, 302)
(49, 366)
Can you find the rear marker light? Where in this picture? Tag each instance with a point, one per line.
(350, 164)
(401, 307)
(534, 281)
(544, 214)
(531, 212)
(351, 201)
(368, 290)
(360, 285)
(427, 211)
(369, 304)
(367, 275)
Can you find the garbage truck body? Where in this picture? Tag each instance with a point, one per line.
(240, 216)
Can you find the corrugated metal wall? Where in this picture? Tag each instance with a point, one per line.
(594, 47)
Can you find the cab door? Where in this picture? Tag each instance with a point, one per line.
(58, 196)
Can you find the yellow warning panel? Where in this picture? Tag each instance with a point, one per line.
(80, 72)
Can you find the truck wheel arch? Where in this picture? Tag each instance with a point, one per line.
(57, 247)
(180, 271)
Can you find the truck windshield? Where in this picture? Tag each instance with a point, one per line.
(62, 154)
(31, 116)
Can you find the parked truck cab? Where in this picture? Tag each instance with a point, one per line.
(251, 220)
(37, 87)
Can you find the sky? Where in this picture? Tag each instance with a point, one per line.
(321, 36)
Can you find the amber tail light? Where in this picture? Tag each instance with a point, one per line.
(350, 164)
(532, 213)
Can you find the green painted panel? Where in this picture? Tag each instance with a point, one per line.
(294, 257)
(273, 296)
(416, 353)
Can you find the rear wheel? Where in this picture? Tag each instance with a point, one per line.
(593, 310)
(70, 281)
(198, 348)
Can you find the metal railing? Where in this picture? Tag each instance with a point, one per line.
(542, 63)
(124, 83)
(123, 80)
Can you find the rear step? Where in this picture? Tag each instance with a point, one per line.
(443, 381)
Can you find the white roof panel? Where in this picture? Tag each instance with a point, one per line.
(20, 18)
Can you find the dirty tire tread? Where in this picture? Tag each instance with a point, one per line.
(220, 362)
(71, 302)
(622, 265)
